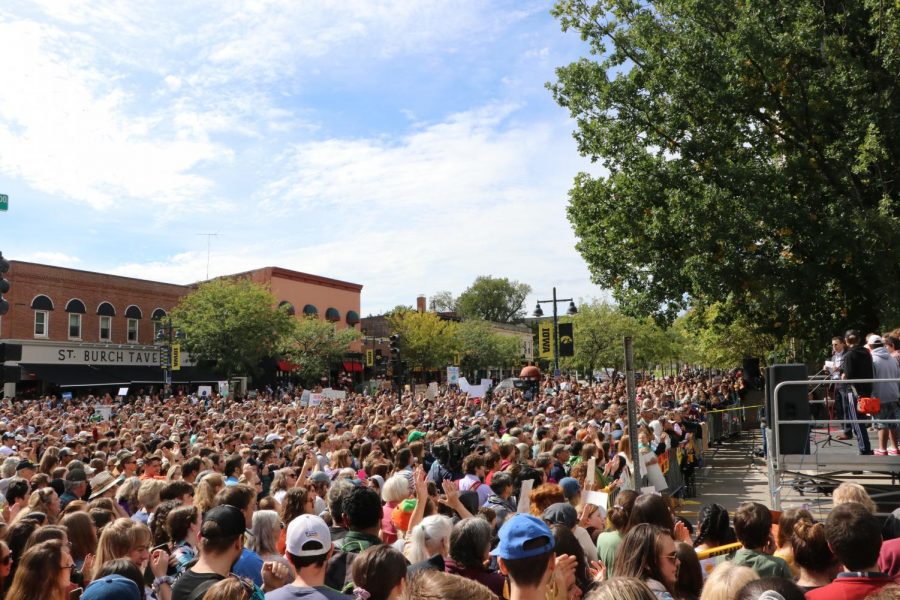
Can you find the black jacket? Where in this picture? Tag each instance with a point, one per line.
(858, 365)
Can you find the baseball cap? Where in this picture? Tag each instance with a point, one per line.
(875, 340)
(25, 464)
(320, 477)
(273, 437)
(561, 513)
(223, 521)
(570, 487)
(523, 536)
(112, 587)
(305, 529)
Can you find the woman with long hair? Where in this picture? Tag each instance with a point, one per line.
(786, 524)
(648, 553)
(264, 533)
(82, 535)
(115, 542)
(183, 527)
(713, 528)
(207, 488)
(618, 516)
(45, 568)
(298, 501)
(127, 495)
(567, 543)
(689, 579)
(431, 537)
(43, 500)
(17, 538)
(5, 568)
(284, 480)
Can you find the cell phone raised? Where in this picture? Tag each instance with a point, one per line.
(76, 593)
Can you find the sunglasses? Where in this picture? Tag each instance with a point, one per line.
(673, 557)
(6, 560)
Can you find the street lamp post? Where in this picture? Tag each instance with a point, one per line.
(168, 334)
(538, 312)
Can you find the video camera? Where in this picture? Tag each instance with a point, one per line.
(458, 448)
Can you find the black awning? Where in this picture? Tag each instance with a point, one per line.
(92, 375)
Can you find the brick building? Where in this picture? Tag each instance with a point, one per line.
(92, 330)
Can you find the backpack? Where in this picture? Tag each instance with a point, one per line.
(474, 487)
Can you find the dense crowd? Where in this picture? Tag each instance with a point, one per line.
(522, 494)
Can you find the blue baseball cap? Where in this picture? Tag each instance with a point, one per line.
(517, 532)
(112, 587)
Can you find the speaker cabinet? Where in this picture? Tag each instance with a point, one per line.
(792, 405)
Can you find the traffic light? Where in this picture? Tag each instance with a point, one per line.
(395, 345)
(4, 285)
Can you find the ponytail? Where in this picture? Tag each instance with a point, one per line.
(431, 530)
(417, 551)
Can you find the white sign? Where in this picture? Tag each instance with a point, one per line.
(524, 500)
(598, 499)
(432, 392)
(223, 388)
(334, 394)
(304, 398)
(105, 411)
(204, 391)
(123, 391)
(89, 355)
(315, 399)
(591, 472)
(453, 375)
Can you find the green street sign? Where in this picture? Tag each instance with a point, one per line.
(4, 202)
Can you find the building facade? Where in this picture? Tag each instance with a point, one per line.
(69, 328)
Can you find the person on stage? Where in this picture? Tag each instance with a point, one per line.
(857, 365)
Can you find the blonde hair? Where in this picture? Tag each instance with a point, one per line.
(621, 588)
(115, 542)
(436, 585)
(209, 486)
(148, 493)
(853, 492)
(726, 580)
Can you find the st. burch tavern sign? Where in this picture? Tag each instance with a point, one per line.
(95, 354)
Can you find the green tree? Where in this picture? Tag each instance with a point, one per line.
(723, 343)
(443, 301)
(232, 323)
(751, 154)
(494, 299)
(426, 340)
(313, 345)
(600, 329)
(481, 347)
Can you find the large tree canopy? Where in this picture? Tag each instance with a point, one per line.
(314, 345)
(493, 299)
(752, 152)
(233, 323)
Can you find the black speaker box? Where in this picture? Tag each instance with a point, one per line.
(792, 405)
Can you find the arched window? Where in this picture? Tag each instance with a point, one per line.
(42, 302)
(105, 313)
(310, 310)
(106, 309)
(133, 315)
(75, 306)
(42, 306)
(333, 315)
(287, 306)
(158, 315)
(352, 317)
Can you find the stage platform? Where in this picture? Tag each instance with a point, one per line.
(808, 479)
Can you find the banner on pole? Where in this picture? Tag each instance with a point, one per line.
(545, 340)
(566, 340)
(453, 375)
(370, 358)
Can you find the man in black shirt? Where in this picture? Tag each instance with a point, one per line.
(857, 365)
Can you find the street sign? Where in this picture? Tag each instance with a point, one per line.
(4, 202)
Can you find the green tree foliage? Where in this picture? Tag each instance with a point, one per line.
(722, 343)
(313, 345)
(752, 158)
(426, 340)
(493, 299)
(481, 347)
(600, 329)
(233, 323)
(443, 301)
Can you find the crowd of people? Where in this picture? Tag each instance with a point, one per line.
(522, 494)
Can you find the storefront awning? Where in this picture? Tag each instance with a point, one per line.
(87, 375)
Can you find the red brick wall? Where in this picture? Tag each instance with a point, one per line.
(28, 280)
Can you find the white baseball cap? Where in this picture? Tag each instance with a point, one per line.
(307, 528)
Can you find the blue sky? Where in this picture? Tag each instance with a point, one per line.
(407, 146)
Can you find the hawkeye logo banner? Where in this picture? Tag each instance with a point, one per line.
(566, 340)
(545, 340)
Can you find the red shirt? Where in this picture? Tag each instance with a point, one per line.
(851, 586)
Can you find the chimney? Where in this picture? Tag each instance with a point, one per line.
(420, 303)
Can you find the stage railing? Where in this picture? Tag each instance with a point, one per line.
(776, 463)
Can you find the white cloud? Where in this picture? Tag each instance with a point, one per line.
(69, 123)
(51, 258)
